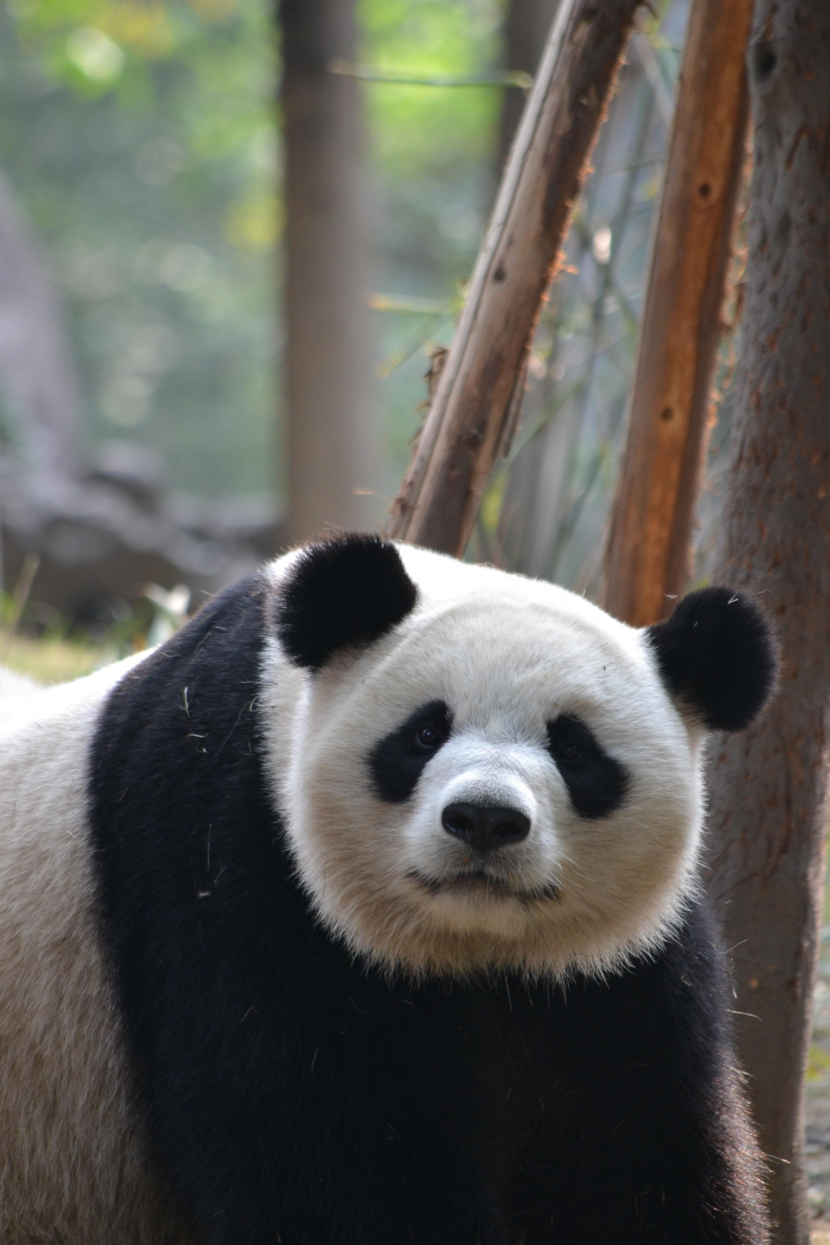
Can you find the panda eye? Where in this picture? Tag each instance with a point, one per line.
(569, 741)
(397, 761)
(569, 753)
(428, 738)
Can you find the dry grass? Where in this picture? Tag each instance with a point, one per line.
(51, 660)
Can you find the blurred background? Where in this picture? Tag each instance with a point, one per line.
(234, 239)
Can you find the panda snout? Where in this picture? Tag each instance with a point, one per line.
(485, 828)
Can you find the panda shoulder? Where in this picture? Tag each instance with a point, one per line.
(13, 684)
(26, 705)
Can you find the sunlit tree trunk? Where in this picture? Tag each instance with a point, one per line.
(769, 786)
(649, 545)
(333, 424)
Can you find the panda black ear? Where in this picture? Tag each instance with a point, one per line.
(341, 593)
(717, 656)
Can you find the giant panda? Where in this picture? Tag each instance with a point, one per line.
(366, 911)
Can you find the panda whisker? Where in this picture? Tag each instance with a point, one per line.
(574, 868)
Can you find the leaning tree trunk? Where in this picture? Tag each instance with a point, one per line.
(477, 398)
(769, 786)
(333, 423)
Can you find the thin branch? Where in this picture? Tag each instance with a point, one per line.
(496, 77)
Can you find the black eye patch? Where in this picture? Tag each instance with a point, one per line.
(396, 762)
(596, 782)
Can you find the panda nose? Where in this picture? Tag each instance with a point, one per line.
(485, 828)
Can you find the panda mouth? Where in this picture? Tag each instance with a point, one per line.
(480, 883)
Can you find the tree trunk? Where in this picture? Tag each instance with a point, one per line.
(333, 425)
(35, 360)
(648, 554)
(769, 786)
(479, 390)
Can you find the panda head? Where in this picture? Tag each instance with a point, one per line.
(487, 771)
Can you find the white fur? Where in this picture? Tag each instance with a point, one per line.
(12, 684)
(72, 1163)
(507, 654)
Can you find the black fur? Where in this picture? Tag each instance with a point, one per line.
(294, 1095)
(342, 593)
(596, 782)
(397, 761)
(717, 656)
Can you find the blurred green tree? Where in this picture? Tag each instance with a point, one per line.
(139, 138)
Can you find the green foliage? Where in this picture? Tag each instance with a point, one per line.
(437, 131)
(434, 151)
(139, 138)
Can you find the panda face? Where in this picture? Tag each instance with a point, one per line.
(501, 779)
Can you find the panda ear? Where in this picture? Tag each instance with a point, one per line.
(717, 657)
(341, 593)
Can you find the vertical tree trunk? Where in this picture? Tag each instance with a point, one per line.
(333, 427)
(35, 362)
(647, 559)
(769, 786)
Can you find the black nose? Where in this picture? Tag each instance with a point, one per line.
(485, 828)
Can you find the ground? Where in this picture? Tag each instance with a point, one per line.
(51, 660)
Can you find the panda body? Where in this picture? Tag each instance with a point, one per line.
(315, 931)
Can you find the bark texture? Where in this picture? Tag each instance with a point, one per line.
(478, 395)
(648, 555)
(333, 422)
(769, 786)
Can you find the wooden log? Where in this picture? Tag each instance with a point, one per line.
(477, 396)
(769, 786)
(648, 553)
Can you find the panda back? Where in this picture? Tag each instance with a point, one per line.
(67, 1121)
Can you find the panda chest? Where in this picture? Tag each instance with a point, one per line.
(463, 1072)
